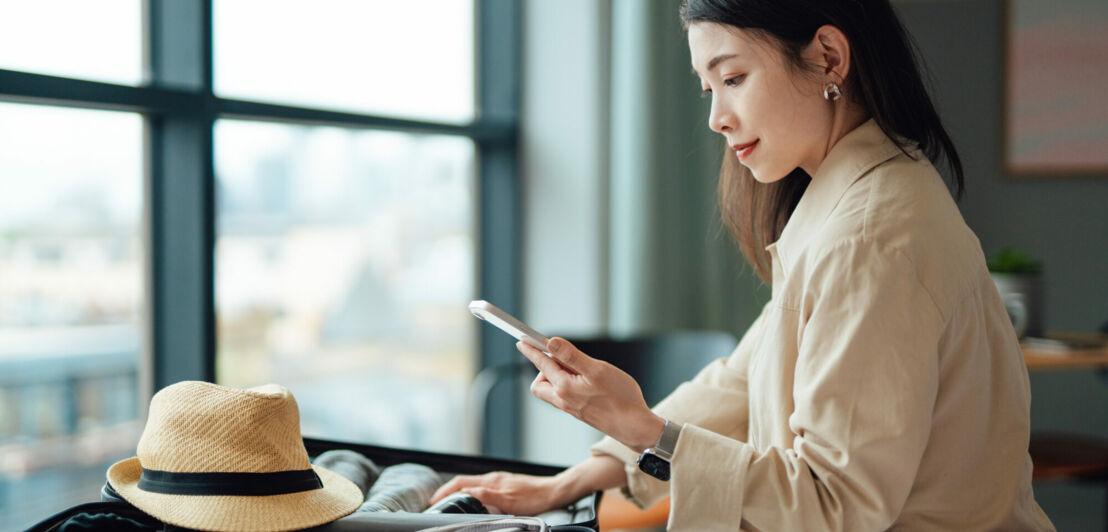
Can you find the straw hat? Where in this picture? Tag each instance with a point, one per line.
(218, 458)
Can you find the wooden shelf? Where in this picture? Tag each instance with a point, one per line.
(1076, 359)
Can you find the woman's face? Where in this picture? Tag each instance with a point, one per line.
(773, 118)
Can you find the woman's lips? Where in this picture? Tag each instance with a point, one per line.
(744, 150)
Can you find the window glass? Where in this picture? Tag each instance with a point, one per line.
(99, 41)
(412, 60)
(344, 263)
(71, 297)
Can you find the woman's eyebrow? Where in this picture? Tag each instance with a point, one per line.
(715, 61)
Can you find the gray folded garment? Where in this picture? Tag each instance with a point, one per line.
(402, 488)
(352, 465)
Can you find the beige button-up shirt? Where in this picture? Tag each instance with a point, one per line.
(882, 387)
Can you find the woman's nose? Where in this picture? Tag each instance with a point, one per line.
(721, 119)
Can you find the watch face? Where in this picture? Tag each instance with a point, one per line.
(654, 465)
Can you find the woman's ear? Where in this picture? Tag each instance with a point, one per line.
(831, 50)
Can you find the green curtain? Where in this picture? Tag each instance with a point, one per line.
(672, 264)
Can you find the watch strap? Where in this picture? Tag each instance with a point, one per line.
(667, 442)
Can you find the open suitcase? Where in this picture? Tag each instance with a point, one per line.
(578, 517)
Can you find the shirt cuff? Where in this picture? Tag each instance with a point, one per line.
(642, 490)
(708, 479)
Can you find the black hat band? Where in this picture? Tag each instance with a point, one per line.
(275, 483)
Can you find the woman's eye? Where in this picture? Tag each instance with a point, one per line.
(732, 82)
(705, 93)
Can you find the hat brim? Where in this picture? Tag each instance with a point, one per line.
(337, 497)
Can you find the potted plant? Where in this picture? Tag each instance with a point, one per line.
(1019, 279)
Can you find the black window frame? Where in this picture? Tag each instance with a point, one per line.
(180, 109)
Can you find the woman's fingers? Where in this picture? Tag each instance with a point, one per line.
(546, 365)
(508, 492)
(476, 485)
(568, 355)
(568, 358)
(489, 497)
(591, 390)
(542, 388)
(455, 484)
(588, 389)
(561, 381)
(534, 355)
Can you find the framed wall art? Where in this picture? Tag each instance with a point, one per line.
(1055, 88)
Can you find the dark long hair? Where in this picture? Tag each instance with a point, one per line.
(884, 79)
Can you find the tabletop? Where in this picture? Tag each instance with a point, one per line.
(1037, 356)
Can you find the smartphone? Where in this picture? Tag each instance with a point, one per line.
(506, 322)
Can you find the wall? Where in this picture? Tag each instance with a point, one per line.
(1063, 221)
(564, 155)
(565, 163)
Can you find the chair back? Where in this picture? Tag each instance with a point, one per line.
(660, 362)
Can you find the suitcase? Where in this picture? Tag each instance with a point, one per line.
(580, 516)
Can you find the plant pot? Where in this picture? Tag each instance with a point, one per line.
(1023, 299)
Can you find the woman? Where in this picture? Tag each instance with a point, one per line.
(882, 386)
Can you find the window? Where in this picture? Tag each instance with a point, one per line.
(89, 40)
(71, 296)
(323, 235)
(323, 55)
(344, 263)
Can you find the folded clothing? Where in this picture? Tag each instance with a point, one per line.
(355, 466)
(402, 488)
(458, 503)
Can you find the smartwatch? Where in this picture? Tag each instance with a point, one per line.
(655, 460)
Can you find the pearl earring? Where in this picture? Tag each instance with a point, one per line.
(831, 91)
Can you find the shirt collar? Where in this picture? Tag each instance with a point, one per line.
(849, 159)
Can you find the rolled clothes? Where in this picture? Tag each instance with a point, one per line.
(402, 488)
(458, 503)
(352, 465)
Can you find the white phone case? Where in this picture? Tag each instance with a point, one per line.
(506, 322)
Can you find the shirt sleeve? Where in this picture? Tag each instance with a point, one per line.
(715, 399)
(865, 382)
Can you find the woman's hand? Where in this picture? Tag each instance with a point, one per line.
(595, 392)
(510, 493)
(517, 494)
